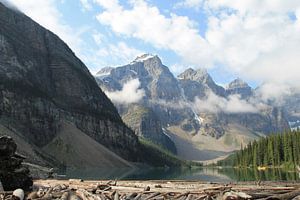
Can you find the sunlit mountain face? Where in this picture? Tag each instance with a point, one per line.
(190, 114)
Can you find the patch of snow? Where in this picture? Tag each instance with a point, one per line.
(133, 71)
(196, 117)
(102, 75)
(165, 133)
(142, 58)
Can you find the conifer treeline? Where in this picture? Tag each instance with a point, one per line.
(274, 150)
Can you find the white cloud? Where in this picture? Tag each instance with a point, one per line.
(45, 12)
(145, 22)
(98, 37)
(108, 54)
(233, 104)
(195, 4)
(123, 52)
(274, 92)
(86, 5)
(255, 39)
(130, 93)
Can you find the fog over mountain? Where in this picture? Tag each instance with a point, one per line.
(203, 119)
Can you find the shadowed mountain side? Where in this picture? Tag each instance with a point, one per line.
(44, 85)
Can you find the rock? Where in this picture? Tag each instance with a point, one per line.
(147, 188)
(12, 174)
(1, 187)
(7, 147)
(296, 198)
(19, 193)
(235, 196)
(239, 87)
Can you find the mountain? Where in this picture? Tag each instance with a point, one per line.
(198, 134)
(292, 105)
(163, 95)
(51, 104)
(240, 87)
(145, 123)
(202, 81)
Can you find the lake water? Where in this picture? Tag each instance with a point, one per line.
(201, 174)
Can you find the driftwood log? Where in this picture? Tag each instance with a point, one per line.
(148, 190)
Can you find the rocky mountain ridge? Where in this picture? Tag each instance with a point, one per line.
(173, 102)
(46, 91)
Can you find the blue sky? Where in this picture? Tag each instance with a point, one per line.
(257, 40)
(85, 18)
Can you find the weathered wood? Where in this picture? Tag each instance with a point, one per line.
(180, 190)
(181, 195)
(286, 196)
(152, 195)
(65, 196)
(116, 196)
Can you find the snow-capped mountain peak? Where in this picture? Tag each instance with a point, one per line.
(143, 57)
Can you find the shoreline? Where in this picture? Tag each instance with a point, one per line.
(166, 189)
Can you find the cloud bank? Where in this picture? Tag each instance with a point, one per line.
(130, 93)
(256, 39)
(215, 104)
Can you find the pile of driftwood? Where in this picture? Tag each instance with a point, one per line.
(75, 189)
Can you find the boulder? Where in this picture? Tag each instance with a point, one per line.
(13, 174)
(7, 147)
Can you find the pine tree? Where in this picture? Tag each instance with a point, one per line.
(275, 150)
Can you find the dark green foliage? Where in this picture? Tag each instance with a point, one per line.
(275, 150)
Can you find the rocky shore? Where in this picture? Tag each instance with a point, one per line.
(76, 189)
(15, 179)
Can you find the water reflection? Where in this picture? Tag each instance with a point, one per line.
(273, 174)
(201, 174)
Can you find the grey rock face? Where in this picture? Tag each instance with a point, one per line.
(202, 77)
(159, 84)
(239, 87)
(172, 100)
(146, 124)
(163, 95)
(43, 83)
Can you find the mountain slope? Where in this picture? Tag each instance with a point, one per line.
(182, 107)
(71, 141)
(146, 124)
(43, 84)
(162, 94)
